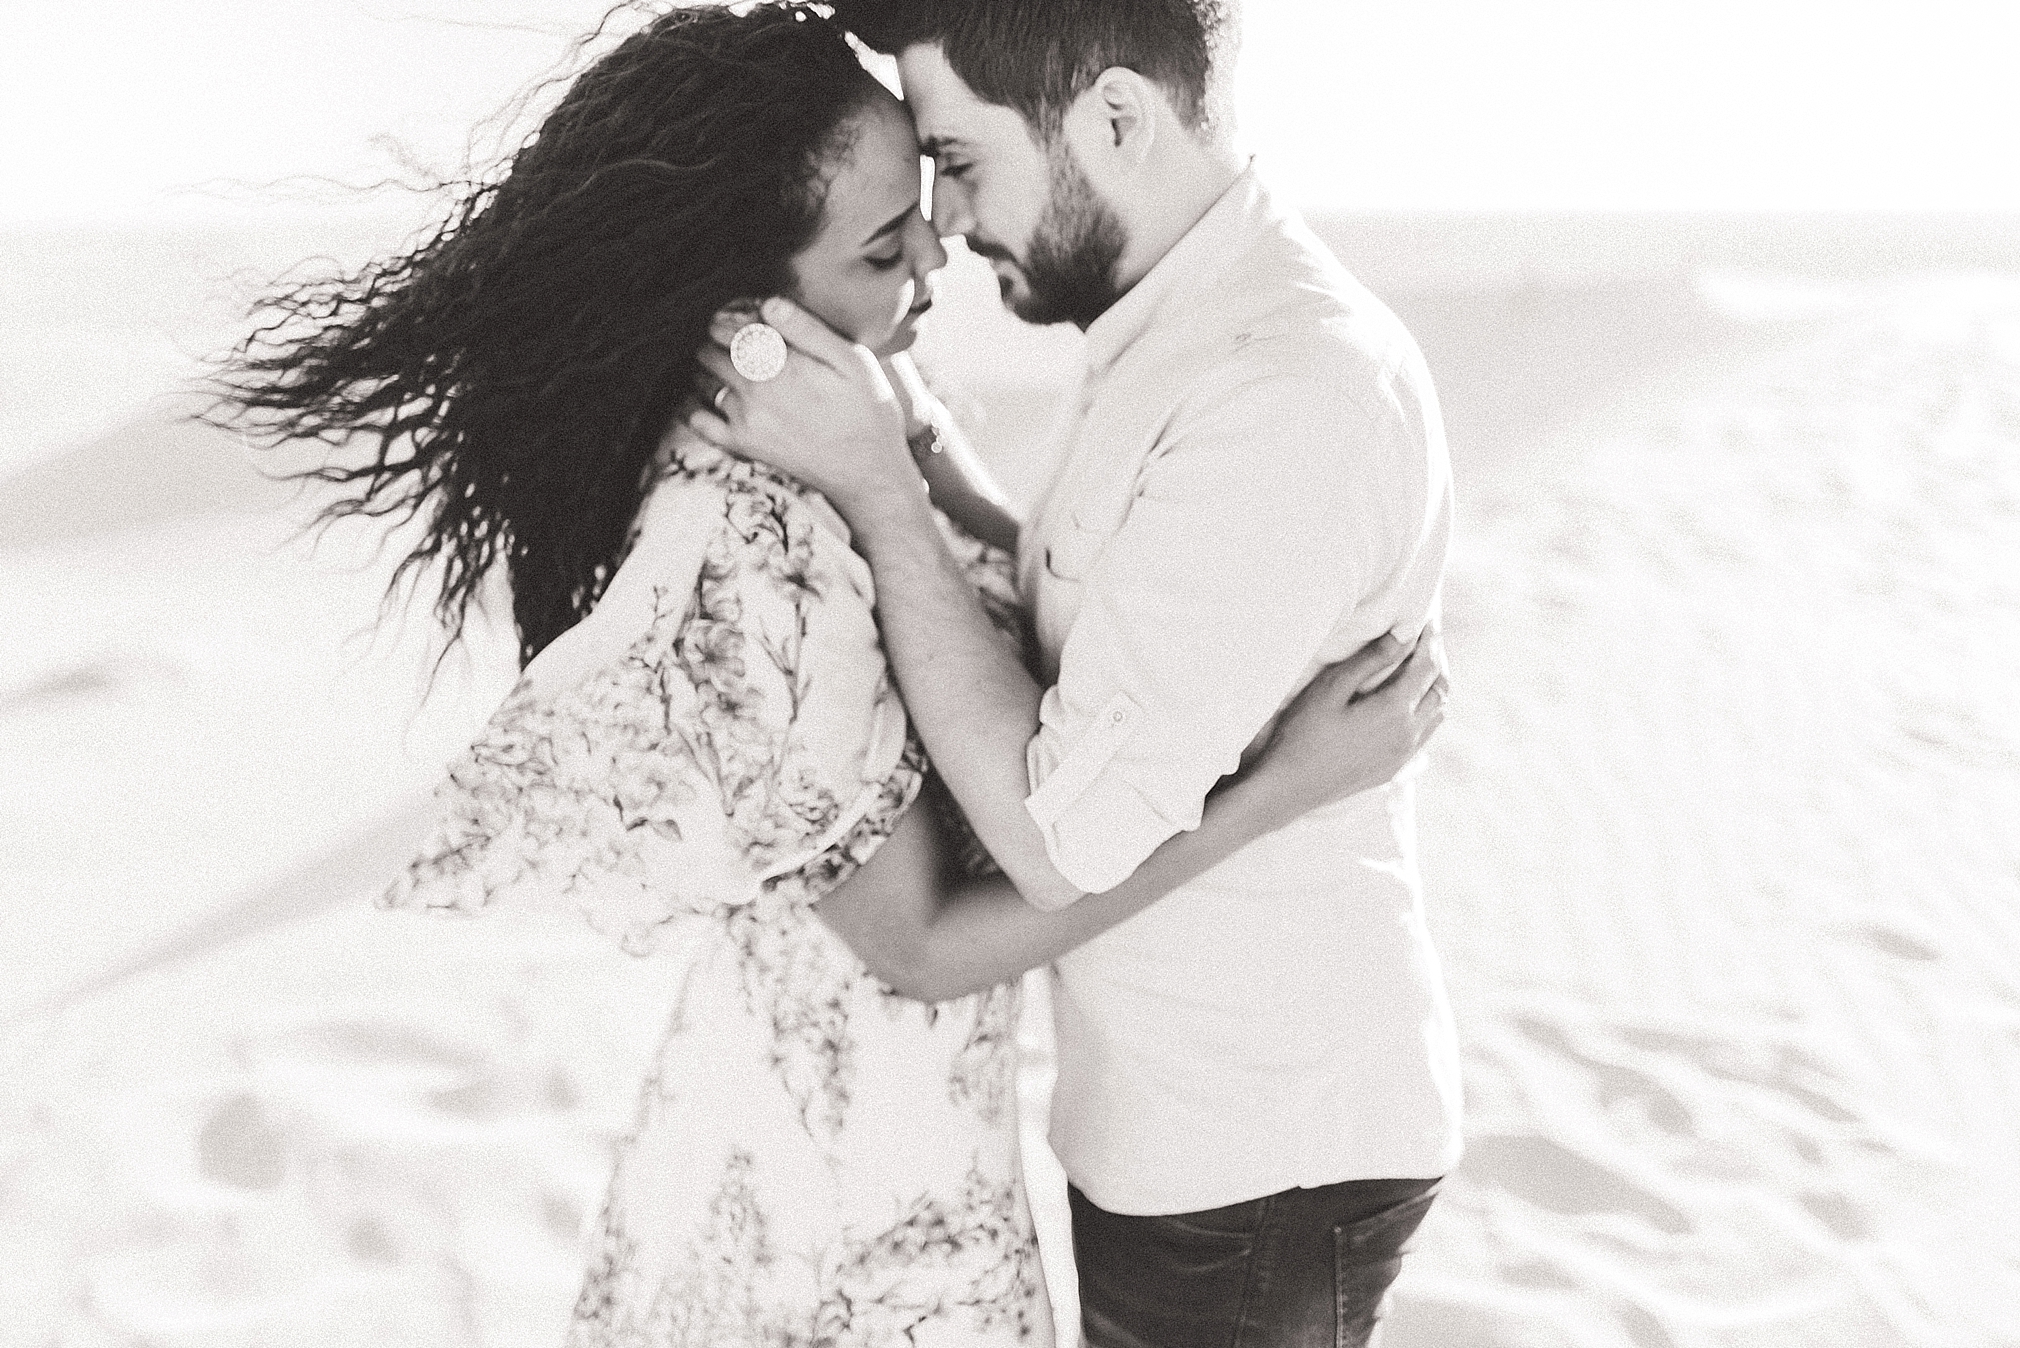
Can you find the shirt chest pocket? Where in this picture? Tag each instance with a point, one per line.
(1072, 551)
(1086, 528)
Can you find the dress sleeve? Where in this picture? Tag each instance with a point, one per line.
(728, 733)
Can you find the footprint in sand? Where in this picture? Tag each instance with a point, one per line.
(1618, 1083)
(1540, 1172)
(1893, 939)
(374, 1055)
(394, 1061)
(242, 1144)
(1780, 1069)
(1774, 1073)
(369, 1241)
(392, 1043)
(1837, 1214)
(1824, 1134)
(87, 682)
(484, 1098)
(562, 1214)
(379, 1074)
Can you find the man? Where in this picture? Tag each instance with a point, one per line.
(1258, 1085)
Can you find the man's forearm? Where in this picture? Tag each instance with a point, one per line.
(984, 933)
(969, 695)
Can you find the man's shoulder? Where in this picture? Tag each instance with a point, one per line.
(1285, 312)
(1310, 317)
(1315, 350)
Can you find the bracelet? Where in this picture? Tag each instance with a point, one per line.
(926, 442)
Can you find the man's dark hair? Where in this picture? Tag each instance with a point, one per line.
(1037, 56)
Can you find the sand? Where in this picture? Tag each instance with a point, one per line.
(1718, 845)
(1722, 844)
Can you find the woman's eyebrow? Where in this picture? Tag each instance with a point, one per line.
(891, 225)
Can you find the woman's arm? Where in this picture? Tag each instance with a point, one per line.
(961, 488)
(935, 945)
(958, 480)
(1340, 736)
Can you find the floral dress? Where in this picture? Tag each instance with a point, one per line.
(816, 1160)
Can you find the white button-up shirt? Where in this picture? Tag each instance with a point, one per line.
(1253, 483)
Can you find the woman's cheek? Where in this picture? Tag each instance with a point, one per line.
(882, 312)
(854, 321)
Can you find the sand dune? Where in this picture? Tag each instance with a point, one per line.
(161, 466)
(1718, 844)
(1721, 848)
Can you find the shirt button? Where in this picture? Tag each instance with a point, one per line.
(1118, 716)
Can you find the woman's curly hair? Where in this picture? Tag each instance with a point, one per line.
(512, 374)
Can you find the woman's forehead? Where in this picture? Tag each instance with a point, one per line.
(884, 116)
(877, 176)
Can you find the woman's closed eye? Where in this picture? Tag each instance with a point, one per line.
(886, 263)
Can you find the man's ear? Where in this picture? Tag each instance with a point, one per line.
(1128, 104)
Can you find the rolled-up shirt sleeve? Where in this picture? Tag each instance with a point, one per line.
(1253, 527)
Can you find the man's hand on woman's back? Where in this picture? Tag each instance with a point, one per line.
(1356, 724)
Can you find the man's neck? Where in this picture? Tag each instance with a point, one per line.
(1192, 178)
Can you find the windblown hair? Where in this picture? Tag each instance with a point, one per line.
(1037, 56)
(512, 374)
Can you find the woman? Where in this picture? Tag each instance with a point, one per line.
(705, 753)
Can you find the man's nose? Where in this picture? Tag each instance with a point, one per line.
(952, 212)
(932, 257)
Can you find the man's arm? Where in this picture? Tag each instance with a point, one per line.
(1352, 728)
(1247, 542)
(933, 946)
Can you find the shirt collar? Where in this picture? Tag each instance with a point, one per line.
(1198, 256)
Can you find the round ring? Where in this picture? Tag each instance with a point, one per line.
(758, 352)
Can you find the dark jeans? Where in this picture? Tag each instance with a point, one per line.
(1306, 1268)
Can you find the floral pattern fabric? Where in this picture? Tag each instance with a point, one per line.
(816, 1160)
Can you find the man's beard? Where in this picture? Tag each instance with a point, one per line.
(1069, 268)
